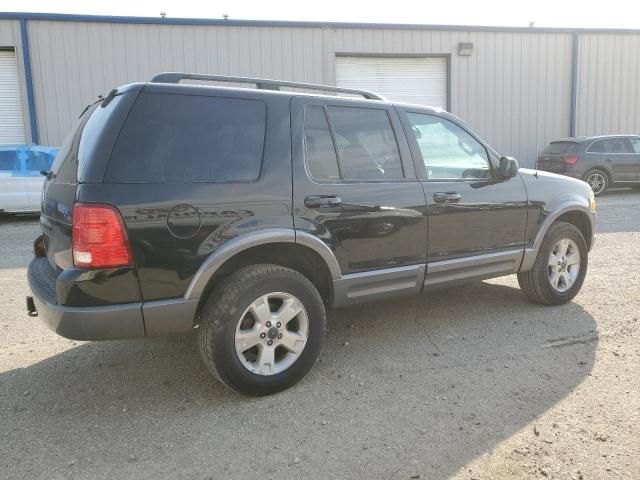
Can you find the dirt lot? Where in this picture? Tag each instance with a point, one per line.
(469, 383)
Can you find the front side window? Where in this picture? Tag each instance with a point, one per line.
(448, 151)
(171, 138)
(366, 143)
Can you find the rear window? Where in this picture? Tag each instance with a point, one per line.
(560, 148)
(189, 138)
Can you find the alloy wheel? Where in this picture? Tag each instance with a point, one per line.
(564, 265)
(271, 333)
(597, 182)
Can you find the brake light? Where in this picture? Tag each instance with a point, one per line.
(98, 237)
(570, 160)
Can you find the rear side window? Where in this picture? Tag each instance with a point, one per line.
(319, 150)
(9, 161)
(366, 143)
(561, 148)
(635, 144)
(65, 165)
(188, 138)
(37, 161)
(610, 145)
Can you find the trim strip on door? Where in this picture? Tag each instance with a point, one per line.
(473, 268)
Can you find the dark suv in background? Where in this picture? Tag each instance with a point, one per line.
(246, 213)
(602, 161)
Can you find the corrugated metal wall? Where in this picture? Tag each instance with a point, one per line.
(73, 62)
(515, 88)
(608, 84)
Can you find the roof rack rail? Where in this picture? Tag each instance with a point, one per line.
(261, 83)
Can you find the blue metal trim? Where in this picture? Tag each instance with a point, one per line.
(575, 51)
(64, 17)
(26, 60)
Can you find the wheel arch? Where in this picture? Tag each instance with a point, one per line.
(301, 252)
(577, 214)
(602, 167)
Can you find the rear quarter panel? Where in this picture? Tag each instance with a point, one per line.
(175, 226)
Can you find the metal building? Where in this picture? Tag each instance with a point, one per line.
(518, 87)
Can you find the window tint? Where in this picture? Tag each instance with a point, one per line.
(635, 144)
(448, 151)
(596, 147)
(559, 148)
(93, 128)
(610, 145)
(65, 165)
(319, 150)
(366, 143)
(187, 138)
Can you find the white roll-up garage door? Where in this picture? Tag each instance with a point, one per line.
(421, 81)
(11, 120)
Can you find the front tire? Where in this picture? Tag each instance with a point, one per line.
(560, 267)
(261, 329)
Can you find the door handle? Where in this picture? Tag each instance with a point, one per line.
(322, 201)
(441, 197)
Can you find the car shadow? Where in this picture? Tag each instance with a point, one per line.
(14, 229)
(415, 386)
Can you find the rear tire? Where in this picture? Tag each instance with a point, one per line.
(560, 267)
(236, 344)
(598, 180)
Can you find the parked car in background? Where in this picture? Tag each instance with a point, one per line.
(20, 178)
(601, 161)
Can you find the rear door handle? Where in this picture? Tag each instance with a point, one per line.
(441, 197)
(322, 201)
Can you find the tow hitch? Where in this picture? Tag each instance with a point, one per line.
(32, 311)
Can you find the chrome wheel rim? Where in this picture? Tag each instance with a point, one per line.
(564, 265)
(271, 333)
(597, 182)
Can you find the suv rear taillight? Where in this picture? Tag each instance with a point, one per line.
(570, 160)
(99, 238)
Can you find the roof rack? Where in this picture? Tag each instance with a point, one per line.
(261, 83)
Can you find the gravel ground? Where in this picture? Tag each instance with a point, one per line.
(467, 383)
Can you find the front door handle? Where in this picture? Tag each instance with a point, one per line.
(322, 201)
(441, 197)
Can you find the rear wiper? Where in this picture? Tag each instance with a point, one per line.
(105, 101)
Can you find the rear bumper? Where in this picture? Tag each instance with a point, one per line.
(104, 322)
(108, 322)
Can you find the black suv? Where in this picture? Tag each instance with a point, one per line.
(602, 161)
(247, 212)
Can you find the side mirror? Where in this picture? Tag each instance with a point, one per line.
(508, 167)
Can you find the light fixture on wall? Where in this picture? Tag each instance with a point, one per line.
(465, 49)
